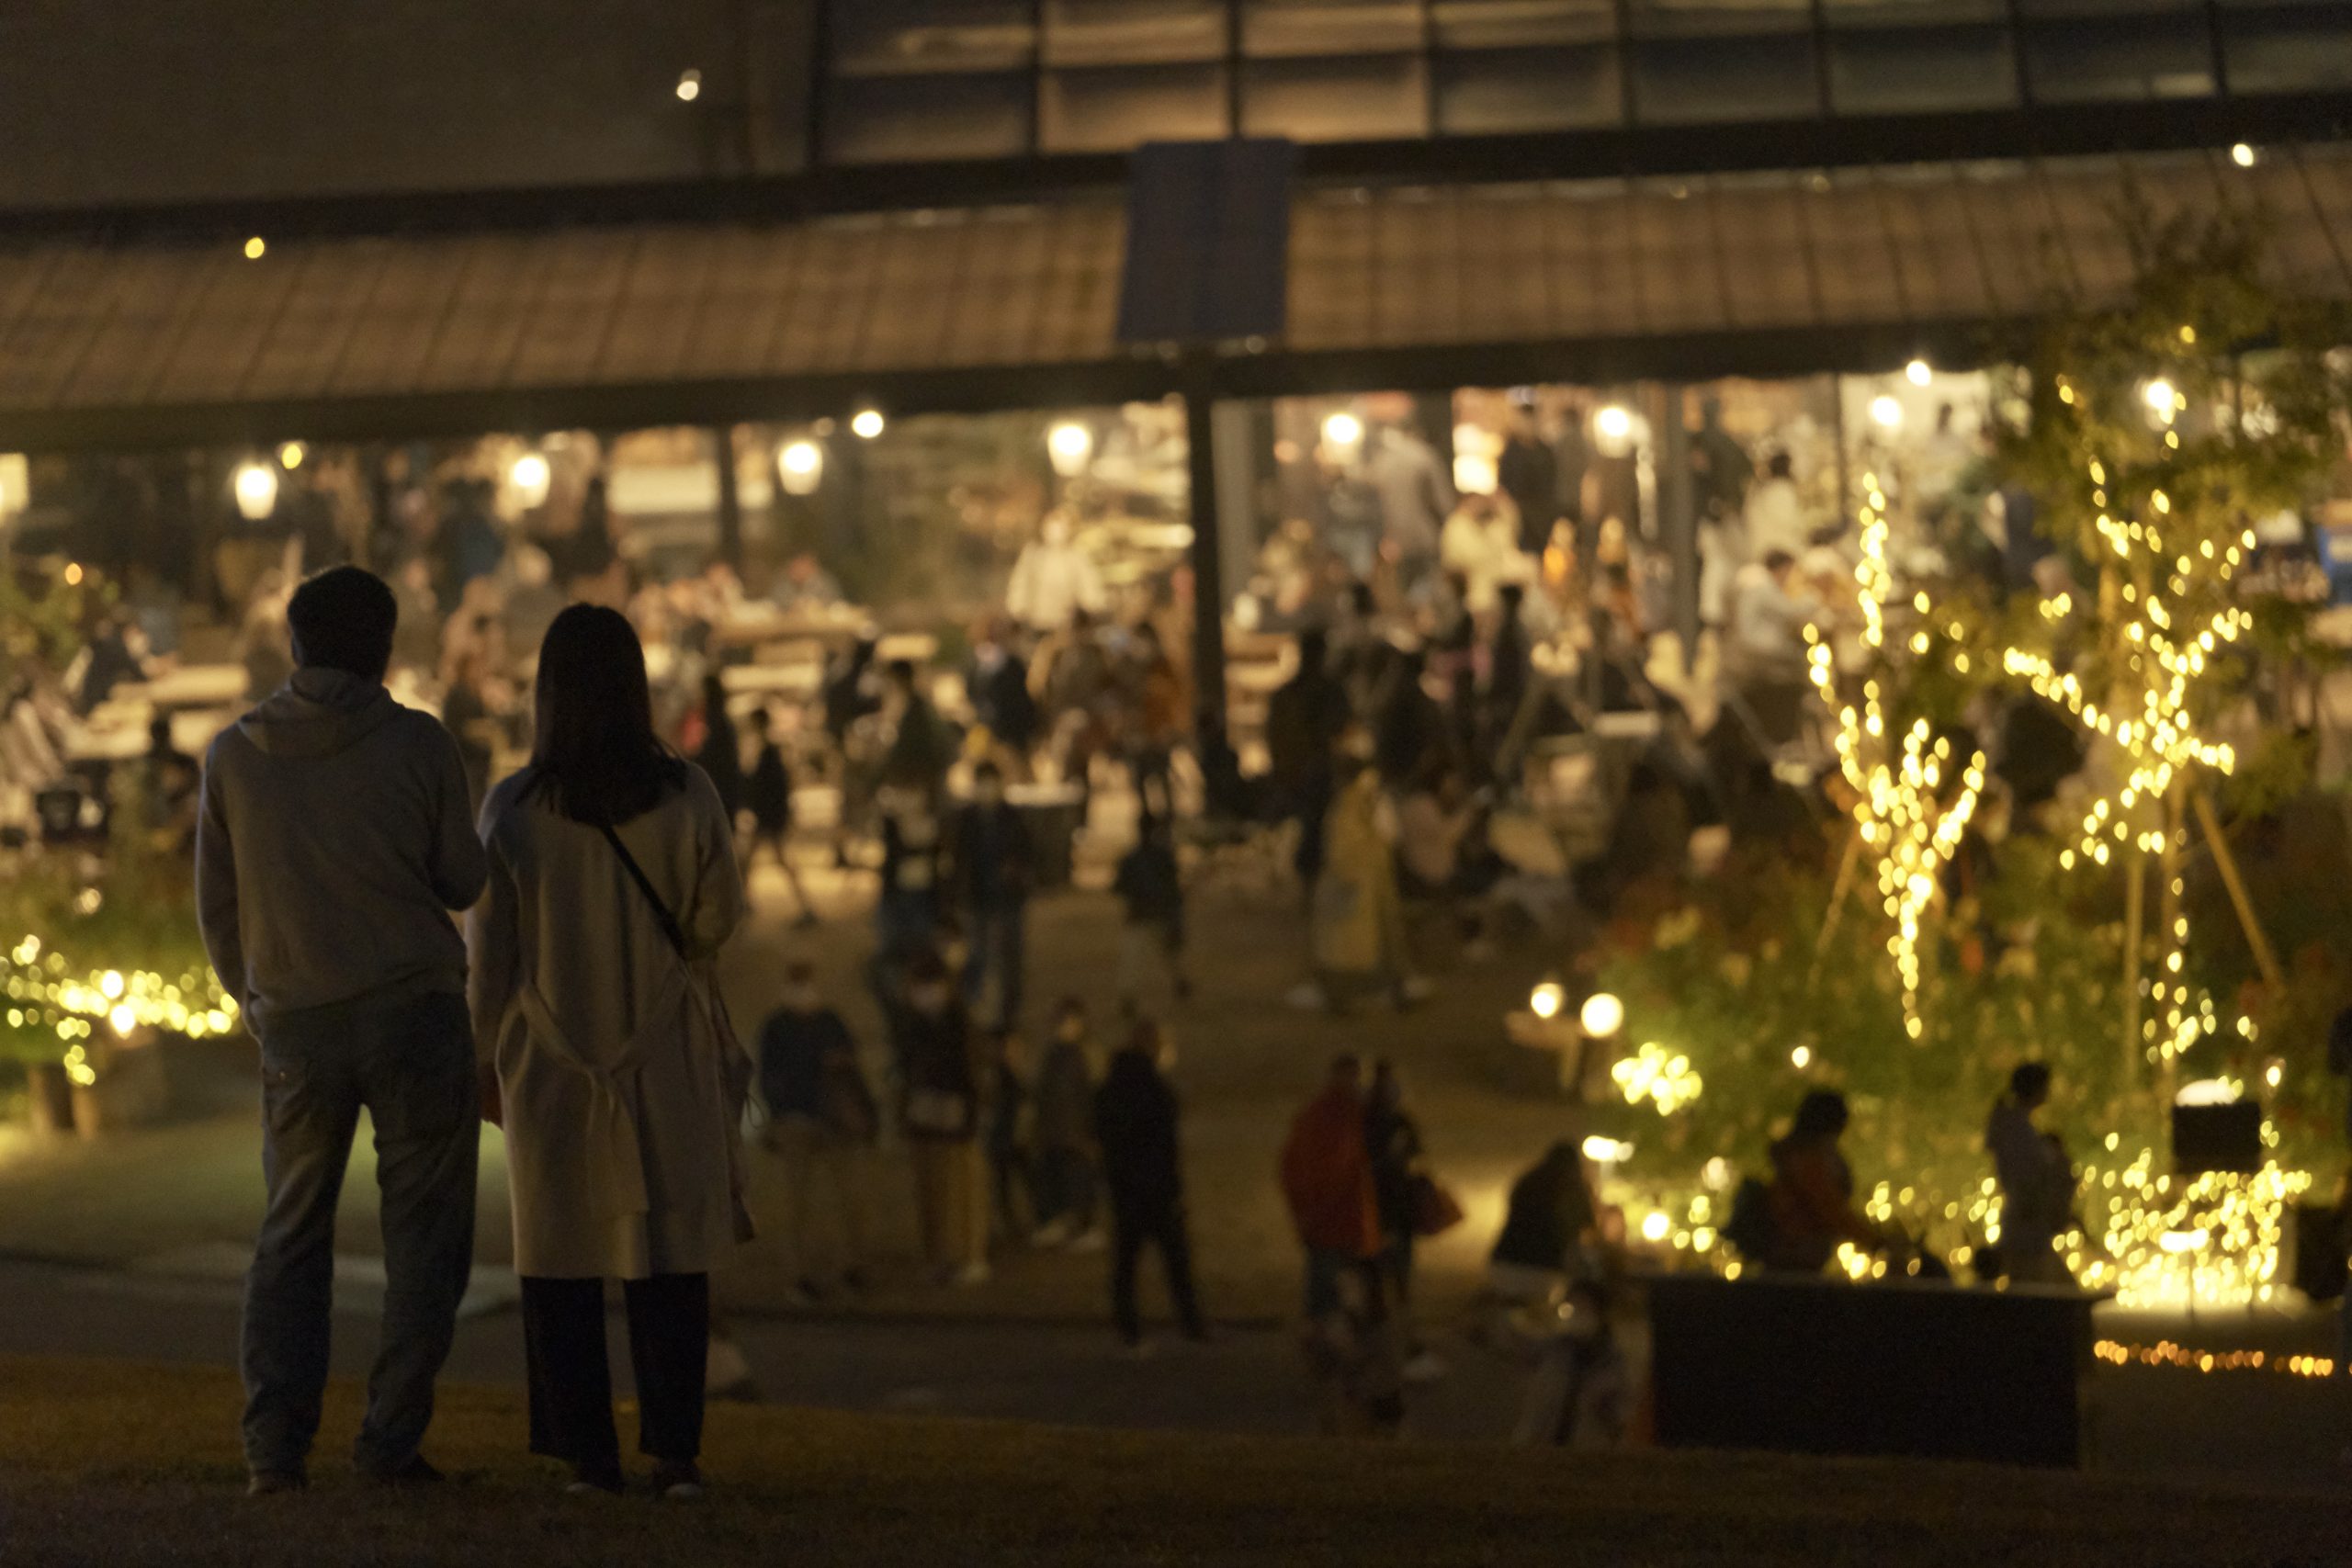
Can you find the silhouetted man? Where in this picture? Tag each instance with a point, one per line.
(335, 837)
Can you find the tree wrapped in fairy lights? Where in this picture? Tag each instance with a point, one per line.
(2154, 433)
(2161, 432)
(1911, 804)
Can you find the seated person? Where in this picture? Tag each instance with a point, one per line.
(1442, 851)
(1550, 1216)
(1810, 1200)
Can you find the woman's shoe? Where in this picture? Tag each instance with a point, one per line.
(678, 1480)
(587, 1480)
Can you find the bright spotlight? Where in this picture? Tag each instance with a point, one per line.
(2243, 155)
(1602, 1015)
(2161, 396)
(290, 456)
(530, 477)
(1604, 1150)
(1069, 444)
(255, 248)
(1885, 412)
(1344, 428)
(1547, 1000)
(689, 86)
(1918, 373)
(1613, 424)
(867, 423)
(255, 487)
(799, 465)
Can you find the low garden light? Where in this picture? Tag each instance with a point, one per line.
(1602, 1015)
(1547, 1001)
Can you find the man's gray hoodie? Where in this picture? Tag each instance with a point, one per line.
(336, 835)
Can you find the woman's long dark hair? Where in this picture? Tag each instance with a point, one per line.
(594, 757)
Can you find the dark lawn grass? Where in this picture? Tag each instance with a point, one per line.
(111, 1463)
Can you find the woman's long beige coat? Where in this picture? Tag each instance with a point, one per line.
(621, 1152)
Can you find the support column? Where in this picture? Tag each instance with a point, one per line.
(1207, 562)
(1678, 517)
(730, 501)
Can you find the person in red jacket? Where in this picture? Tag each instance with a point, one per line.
(1327, 1181)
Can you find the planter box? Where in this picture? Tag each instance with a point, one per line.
(1915, 1369)
(48, 1098)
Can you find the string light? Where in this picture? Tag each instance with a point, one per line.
(1899, 808)
(2165, 1353)
(45, 994)
(1662, 1078)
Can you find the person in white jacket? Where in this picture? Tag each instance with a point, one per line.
(613, 884)
(1053, 581)
(1480, 546)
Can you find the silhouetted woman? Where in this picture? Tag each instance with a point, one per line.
(613, 882)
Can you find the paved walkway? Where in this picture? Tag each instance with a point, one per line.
(192, 1190)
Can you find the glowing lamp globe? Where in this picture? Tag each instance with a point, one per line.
(1602, 1015)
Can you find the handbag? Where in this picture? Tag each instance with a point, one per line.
(735, 1063)
(1435, 1211)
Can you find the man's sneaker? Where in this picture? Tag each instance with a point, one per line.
(417, 1471)
(1423, 1366)
(1089, 1241)
(1053, 1232)
(969, 1275)
(677, 1480)
(273, 1483)
(588, 1480)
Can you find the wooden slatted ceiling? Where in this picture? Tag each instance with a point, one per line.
(114, 329)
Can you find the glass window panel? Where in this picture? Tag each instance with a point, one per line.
(1692, 79)
(1912, 13)
(1719, 19)
(1277, 27)
(1114, 107)
(1505, 24)
(2161, 57)
(2288, 50)
(915, 119)
(1503, 90)
(1367, 99)
(1918, 69)
(895, 36)
(2104, 7)
(1133, 32)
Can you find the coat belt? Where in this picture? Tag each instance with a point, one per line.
(616, 1156)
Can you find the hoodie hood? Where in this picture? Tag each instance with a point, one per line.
(318, 713)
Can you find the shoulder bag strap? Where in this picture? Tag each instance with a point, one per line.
(662, 915)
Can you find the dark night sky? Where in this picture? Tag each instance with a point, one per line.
(110, 101)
